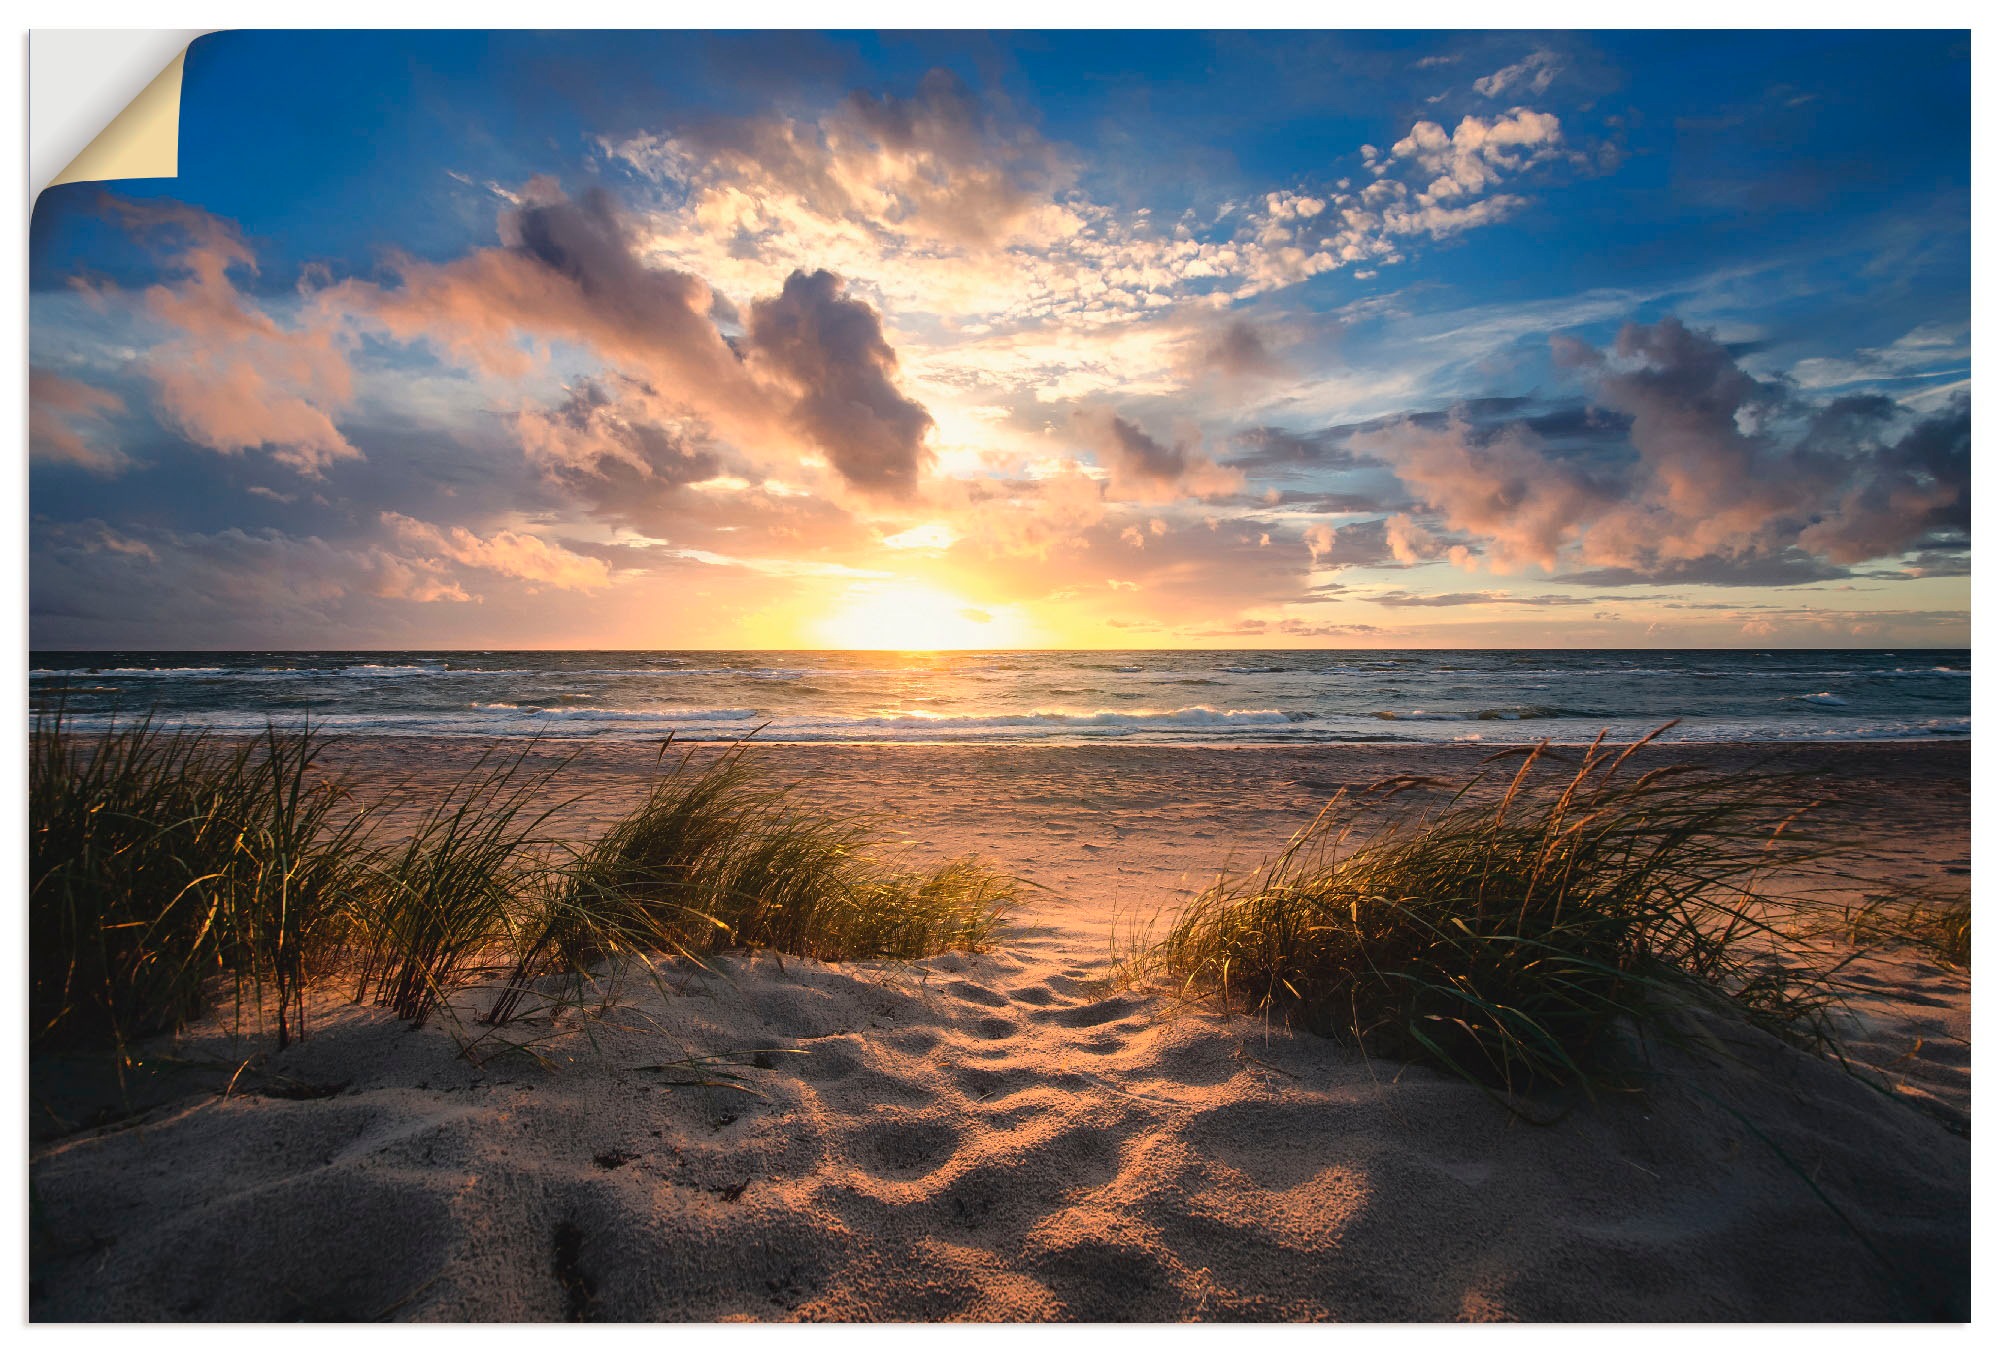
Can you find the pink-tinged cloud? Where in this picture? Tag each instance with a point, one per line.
(231, 377)
(938, 168)
(1145, 469)
(1724, 472)
(813, 370)
(508, 553)
(66, 422)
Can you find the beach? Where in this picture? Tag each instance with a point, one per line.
(1014, 1135)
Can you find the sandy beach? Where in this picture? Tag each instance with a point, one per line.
(1011, 1136)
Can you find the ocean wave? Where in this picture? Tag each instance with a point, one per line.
(1513, 715)
(663, 716)
(1824, 697)
(1194, 716)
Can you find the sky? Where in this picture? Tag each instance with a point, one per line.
(971, 340)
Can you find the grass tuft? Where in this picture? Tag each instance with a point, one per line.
(1523, 938)
(717, 858)
(438, 902)
(161, 859)
(1941, 930)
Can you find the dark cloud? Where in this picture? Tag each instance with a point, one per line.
(829, 348)
(1688, 469)
(1275, 447)
(1231, 358)
(1239, 351)
(1145, 467)
(1789, 569)
(1131, 451)
(812, 368)
(1899, 493)
(610, 445)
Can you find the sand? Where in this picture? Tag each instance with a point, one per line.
(1005, 1137)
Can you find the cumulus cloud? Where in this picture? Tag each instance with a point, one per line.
(813, 369)
(1474, 156)
(618, 430)
(828, 350)
(615, 447)
(1145, 468)
(231, 377)
(1524, 506)
(1715, 472)
(67, 422)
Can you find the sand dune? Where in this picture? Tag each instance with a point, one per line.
(1003, 1136)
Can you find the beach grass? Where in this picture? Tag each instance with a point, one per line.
(1941, 929)
(170, 868)
(717, 857)
(163, 859)
(1527, 937)
(436, 903)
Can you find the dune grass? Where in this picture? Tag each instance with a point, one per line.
(1941, 929)
(1525, 939)
(716, 857)
(437, 902)
(169, 868)
(162, 859)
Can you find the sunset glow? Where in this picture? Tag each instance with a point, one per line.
(1458, 339)
(911, 617)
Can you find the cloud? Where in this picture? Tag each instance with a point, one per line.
(67, 422)
(1535, 71)
(1712, 471)
(508, 553)
(1147, 469)
(1523, 506)
(1478, 598)
(813, 369)
(945, 205)
(938, 166)
(1277, 447)
(1233, 354)
(95, 586)
(615, 436)
(829, 351)
(1928, 352)
(1478, 154)
(1361, 544)
(232, 378)
(1901, 493)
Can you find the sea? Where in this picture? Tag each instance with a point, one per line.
(1191, 697)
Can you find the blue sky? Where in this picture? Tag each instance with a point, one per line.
(1118, 339)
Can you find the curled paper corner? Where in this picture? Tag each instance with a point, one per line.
(143, 141)
(103, 106)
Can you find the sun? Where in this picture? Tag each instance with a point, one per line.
(913, 617)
